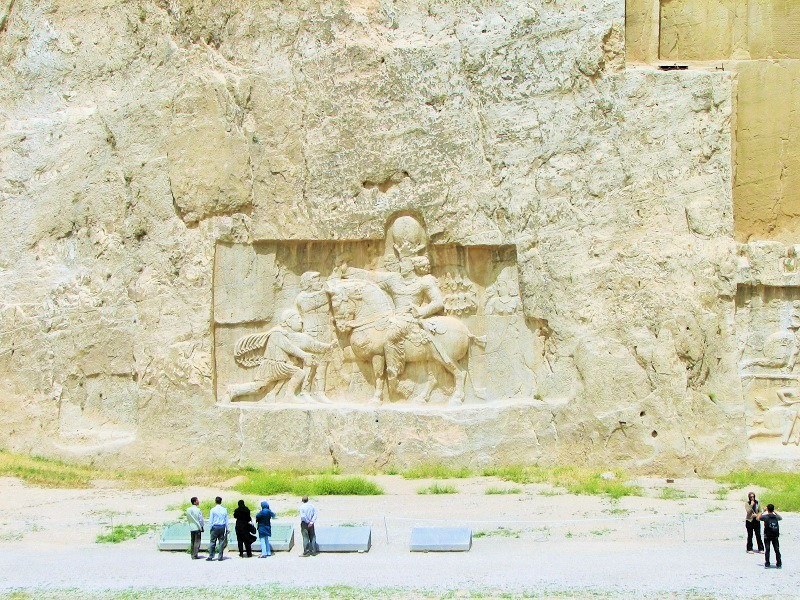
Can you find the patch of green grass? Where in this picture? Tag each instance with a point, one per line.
(721, 493)
(46, 472)
(491, 491)
(780, 489)
(264, 483)
(436, 471)
(618, 511)
(289, 512)
(576, 480)
(499, 532)
(669, 493)
(600, 532)
(438, 488)
(122, 533)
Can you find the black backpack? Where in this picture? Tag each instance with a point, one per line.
(771, 528)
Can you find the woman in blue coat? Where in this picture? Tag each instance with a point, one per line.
(264, 527)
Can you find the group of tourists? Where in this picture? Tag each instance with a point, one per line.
(753, 519)
(246, 531)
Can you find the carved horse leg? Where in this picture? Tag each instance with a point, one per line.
(430, 382)
(378, 368)
(459, 375)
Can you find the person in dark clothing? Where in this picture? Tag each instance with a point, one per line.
(263, 520)
(752, 524)
(771, 534)
(243, 535)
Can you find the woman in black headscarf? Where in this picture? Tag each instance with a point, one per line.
(243, 535)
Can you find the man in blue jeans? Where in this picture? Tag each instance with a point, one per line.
(771, 534)
(218, 520)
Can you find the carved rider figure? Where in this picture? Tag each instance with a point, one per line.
(286, 361)
(312, 304)
(416, 297)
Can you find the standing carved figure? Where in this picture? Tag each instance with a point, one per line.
(314, 308)
(502, 299)
(284, 363)
(790, 397)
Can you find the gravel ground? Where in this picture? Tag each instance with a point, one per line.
(529, 542)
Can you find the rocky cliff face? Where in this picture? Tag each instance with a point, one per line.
(137, 136)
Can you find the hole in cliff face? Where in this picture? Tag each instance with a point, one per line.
(654, 433)
(641, 414)
(387, 184)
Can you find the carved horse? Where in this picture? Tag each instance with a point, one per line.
(362, 309)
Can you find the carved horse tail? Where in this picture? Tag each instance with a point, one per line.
(248, 350)
(480, 340)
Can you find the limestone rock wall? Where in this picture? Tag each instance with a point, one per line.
(135, 136)
(767, 183)
(722, 29)
(759, 41)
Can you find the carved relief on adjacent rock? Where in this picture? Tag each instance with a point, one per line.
(361, 321)
(768, 318)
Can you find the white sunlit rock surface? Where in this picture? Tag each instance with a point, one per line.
(169, 170)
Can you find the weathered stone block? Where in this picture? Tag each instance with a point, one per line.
(440, 539)
(344, 539)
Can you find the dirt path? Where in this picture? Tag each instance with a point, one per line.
(532, 541)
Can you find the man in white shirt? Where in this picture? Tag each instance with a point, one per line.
(308, 516)
(218, 520)
(196, 525)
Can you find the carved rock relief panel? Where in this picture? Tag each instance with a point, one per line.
(768, 319)
(382, 321)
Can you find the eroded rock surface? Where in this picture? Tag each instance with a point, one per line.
(138, 137)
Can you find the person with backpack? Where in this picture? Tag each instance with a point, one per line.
(771, 534)
(752, 523)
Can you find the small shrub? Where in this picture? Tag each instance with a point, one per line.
(436, 471)
(498, 491)
(600, 532)
(669, 493)
(499, 532)
(618, 511)
(122, 533)
(438, 488)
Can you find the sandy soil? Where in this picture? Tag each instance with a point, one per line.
(549, 542)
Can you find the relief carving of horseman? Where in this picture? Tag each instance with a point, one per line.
(393, 318)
